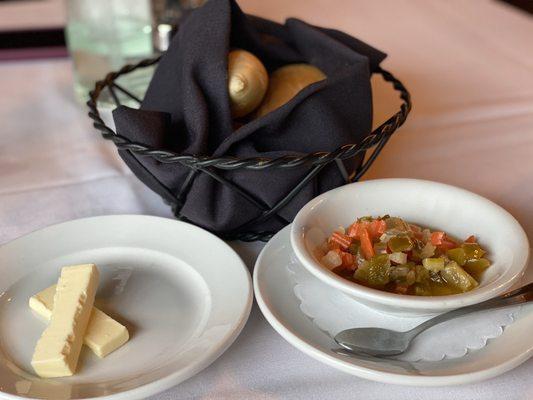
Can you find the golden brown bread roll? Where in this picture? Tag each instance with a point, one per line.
(286, 82)
(247, 82)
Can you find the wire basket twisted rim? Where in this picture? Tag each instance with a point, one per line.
(207, 164)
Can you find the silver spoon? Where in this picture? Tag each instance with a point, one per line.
(386, 342)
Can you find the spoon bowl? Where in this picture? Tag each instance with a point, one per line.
(386, 342)
(374, 341)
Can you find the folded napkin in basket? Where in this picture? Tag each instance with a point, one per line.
(186, 110)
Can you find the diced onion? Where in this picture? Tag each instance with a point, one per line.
(427, 251)
(411, 277)
(380, 248)
(398, 257)
(324, 247)
(399, 272)
(340, 229)
(331, 260)
(384, 238)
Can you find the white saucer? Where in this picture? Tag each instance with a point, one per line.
(274, 293)
(183, 294)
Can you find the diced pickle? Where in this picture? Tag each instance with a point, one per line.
(379, 270)
(435, 277)
(422, 289)
(458, 277)
(422, 274)
(354, 248)
(472, 251)
(404, 260)
(400, 243)
(443, 289)
(361, 273)
(411, 277)
(458, 255)
(476, 267)
(433, 264)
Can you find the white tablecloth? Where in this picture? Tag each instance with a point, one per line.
(469, 67)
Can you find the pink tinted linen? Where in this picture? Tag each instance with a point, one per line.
(469, 67)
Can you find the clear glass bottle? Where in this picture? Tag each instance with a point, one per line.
(167, 16)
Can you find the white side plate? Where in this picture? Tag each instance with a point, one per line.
(183, 294)
(274, 293)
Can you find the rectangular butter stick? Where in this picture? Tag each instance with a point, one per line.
(103, 335)
(58, 349)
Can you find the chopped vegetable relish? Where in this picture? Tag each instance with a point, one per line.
(390, 254)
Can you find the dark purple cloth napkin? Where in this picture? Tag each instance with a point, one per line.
(186, 109)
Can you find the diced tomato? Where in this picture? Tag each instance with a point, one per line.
(351, 231)
(442, 241)
(447, 244)
(377, 228)
(437, 238)
(471, 239)
(366, 244)
(348, 261)
(355, 229)
(344, 241)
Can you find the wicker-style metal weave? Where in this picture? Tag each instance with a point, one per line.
(212, 165)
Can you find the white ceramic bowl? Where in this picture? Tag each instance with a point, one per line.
(430, 204)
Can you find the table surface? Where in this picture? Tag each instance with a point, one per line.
(468, 65)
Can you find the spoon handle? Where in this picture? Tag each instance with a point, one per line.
(518, 296)
(521, 290)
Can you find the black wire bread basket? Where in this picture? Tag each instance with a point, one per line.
(214, 167)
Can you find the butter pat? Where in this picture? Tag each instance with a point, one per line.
(103, 335)
(58, 349)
